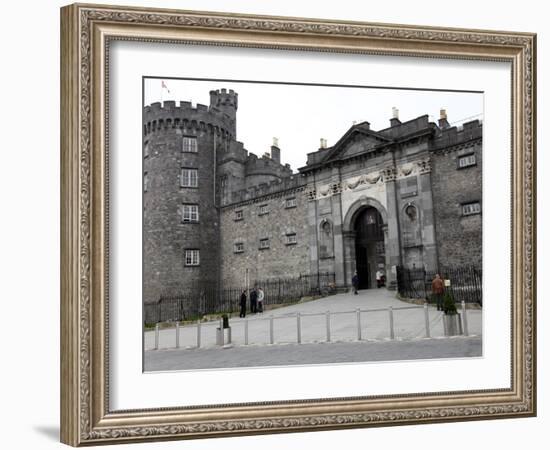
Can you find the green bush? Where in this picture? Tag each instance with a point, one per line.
(449, 306)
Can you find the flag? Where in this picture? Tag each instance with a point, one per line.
(164, 86)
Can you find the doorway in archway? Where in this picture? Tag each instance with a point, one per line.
(369, 246)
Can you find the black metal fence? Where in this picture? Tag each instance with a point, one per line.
(466, 283)
(208, 299)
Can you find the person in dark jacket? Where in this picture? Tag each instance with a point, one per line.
(438, 289)
(355, 282)
(243, 305)
(253, 301)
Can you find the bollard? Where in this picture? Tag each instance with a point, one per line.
(271, 340)
(298, 328)
(222, 333)
(426, 319)
(198, 333)
(464, 319)
(157, 336)
(358, 312)
(177, 335)
(245, 331)
(327, 317)
(390, 313)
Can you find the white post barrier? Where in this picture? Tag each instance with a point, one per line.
(390, 313)
(427, 319)
(298, 328)
(157, 336)
(245, 331)
(177, 335)
(327, 318)
(271, 337)
(198, 333)
(358, 313)
(222, 333)
(464, 319)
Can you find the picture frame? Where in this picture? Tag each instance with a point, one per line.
(87, 31)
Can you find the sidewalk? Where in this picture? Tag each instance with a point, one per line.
(409, 325)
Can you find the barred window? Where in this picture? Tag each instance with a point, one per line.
(189, 177)
(469, 209)
(290, 202)
(263, 209)
(190, 213)
(291, 239)
(239, 215)
(238, 247)
(467, 161)
(192, 257)
(264, 243)
(189, 145)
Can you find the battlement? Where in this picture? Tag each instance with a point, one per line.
(168, 114)
(266, 166)
(223, 98)
(458, 135)
(272, 188)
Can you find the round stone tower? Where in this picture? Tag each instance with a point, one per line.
(181, 196)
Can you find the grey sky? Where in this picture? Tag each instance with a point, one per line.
(300, 115)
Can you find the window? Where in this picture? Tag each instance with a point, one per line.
(263, 210)
(190, 213)
(146, 149)
(467, 161)
(189, 145)
(291, 239)
(239, 215)
(290, 202)
(189, 178)
(192, 257)
(145, 182)
(469, 209)
(238, 247)
(264, 243)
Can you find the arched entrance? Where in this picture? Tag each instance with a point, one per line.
(370, 252)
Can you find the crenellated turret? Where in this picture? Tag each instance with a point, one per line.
(226, 102)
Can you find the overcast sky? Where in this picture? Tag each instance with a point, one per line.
(300, 115)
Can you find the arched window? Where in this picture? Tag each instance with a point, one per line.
(326, 239)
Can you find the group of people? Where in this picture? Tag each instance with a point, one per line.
(256, 301)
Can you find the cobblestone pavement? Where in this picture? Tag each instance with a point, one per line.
(299, 354)
(408, 324)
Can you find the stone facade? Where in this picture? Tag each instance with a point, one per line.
(406, 195)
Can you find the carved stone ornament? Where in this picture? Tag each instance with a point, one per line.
(87, 418)
(424, 166)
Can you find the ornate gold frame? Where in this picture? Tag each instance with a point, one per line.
(85, 34)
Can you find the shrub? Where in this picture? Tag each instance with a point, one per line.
(449, 306)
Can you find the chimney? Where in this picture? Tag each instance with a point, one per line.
(443, 123)
(323, 143)
(394, 121)
(276, 151)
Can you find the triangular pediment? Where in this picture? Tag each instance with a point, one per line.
(356, 141)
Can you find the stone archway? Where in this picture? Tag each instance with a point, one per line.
(365, 240)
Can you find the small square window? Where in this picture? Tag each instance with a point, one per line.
(469, 209)
(467, 161)
(189, 145)
(192, 257)
(239, 215)
(291, 239)
(190, 213)
(264, 244)
(189, 178)
(145, 182)
(290, 202)
(263, 209)
(238, 247)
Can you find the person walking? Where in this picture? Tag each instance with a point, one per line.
(380, 278)
(355, 282)
(438, 288)
(243, 304)
(253, 301)
(260, 300)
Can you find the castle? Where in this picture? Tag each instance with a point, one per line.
(215, 214)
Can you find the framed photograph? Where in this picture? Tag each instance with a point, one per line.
(275, 224)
